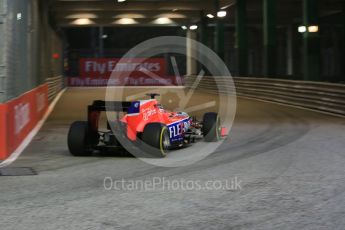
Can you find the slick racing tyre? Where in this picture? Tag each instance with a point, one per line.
(211, 127)
(78, 139)
(157, 139)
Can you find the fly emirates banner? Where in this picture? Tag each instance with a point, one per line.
(123, 72)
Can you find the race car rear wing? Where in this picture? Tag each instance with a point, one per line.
(94, 111)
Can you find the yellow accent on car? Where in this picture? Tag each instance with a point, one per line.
(217, 128)
(161, 141)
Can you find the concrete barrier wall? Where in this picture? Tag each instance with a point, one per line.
(30, 49)
(19, 116)
(320, 96)
(55, 85)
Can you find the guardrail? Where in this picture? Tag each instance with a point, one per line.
(55, 85)
(320, 96)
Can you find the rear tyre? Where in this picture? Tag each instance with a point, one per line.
(156, 137)
(211, 127)
(78, 139)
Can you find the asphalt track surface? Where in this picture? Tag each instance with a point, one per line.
(289, 163)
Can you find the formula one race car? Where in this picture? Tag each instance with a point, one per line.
(145, 125)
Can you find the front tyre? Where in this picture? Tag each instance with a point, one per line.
(157, 139)
(78, 139)
(211, 127)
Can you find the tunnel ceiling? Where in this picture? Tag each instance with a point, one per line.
(177, 12)
(133, 12)
(291, 11)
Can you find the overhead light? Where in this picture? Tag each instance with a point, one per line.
(221, 14)
(104, 36)
(313, 29)
(184, 27)
(126, 21)
(129, 15)
(171, 15)
(193, 27)
(302, 29)
(19, 16)
(163, 21)
(121, 0)
(210, 15)
(83, 21)
(86, 15)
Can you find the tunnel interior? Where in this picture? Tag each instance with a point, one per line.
(291, 39)
(275, 106)
(256, 38)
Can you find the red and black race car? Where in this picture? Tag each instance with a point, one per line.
(144, 125)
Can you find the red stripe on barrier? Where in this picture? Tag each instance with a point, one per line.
(3, 131)
(21, 116)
